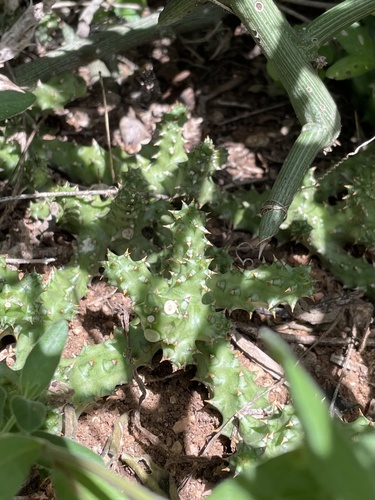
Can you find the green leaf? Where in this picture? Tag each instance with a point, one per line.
(3, 398)
(8, 375)
(96, 479)
(76, 449)
(333, 461)
(83, 485)
(29, 415)
(176, 10)
(12, 103)
(65, 486)
(356, 40)
(238, 488)
(286, 477)
(307, 397)
(17, 455)
(42, 361)
(349, 67)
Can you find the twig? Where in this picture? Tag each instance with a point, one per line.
(60, 194)
(257, 355)
(154, 440)
(245, 410)
(10, 260)
(326, 333)
(310, 340)
(253, 113)
(229, 85)
(86, 18)
(343, 372)
(365, 341)
(312, 3)
(292, 12)
(340, 162)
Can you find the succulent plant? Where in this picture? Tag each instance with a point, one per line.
(181, 286)
(334, 219)
(180, 309)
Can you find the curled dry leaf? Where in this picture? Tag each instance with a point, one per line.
(6, 84)
(19, 36)
(133, 133)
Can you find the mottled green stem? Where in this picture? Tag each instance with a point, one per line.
(290, 54)
(315, 108)
(322, 29)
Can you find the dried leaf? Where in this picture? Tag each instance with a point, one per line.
(19, 36)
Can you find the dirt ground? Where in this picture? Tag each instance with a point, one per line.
(221, 78)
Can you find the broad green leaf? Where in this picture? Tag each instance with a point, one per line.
(357, 41)
(65, 487)
(3, 398)
(333, 460)
(76, 449)
(42, 361)
(17, 455)
(96, 478)
(29, 415)
(9, 375)
(307, 397)
(12, 103)
(84, 485)
(238, 488)
(349, 67)
(286, 477)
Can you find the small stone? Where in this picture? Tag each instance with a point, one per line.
(181, 425)
(371, 409)
(259, 140)
(176, 448)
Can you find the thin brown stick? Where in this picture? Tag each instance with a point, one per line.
(60, 194)
(17, 262)
(308, 340)
(343, 372)
(242, 116)
(257, 355)
(325, 334)
(313, 3)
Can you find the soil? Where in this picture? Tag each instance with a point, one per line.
(220, 76)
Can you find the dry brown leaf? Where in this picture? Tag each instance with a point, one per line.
(19, 36)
